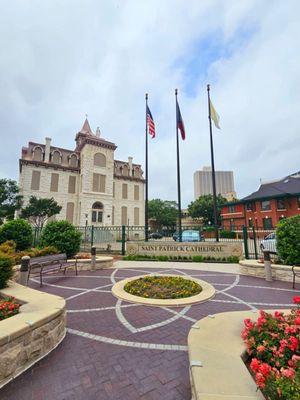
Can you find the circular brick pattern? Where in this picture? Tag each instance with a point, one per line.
(119, 350)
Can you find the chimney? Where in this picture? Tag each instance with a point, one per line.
(130, 165)
(47, 149)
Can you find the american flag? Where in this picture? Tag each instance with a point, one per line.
(180, 124)
(150, 123)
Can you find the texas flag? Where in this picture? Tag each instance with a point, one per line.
(179, 120)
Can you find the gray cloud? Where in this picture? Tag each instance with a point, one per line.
(61, 59)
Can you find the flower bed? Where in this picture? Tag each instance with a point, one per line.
(163, 287)
(273, 343)
(8, 307)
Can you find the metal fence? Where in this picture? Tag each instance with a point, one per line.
(112, 239)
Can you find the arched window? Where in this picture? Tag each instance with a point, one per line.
(56, 157)
(73, 160)
(38, 153)
(125, 170)
(99, 160)
(97, 212)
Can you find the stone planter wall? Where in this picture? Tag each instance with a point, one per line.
(33, 333)
(279, 272)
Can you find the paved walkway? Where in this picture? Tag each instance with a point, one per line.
(117, 350)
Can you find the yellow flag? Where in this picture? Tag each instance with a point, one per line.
(214, 115)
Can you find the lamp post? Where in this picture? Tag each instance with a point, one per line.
(85, 229)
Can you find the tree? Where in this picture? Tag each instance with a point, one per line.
(10, 199)
(63, 236)
(203, 208)
(18, 230)
(163, 211)
(288, 240)
(38, 211)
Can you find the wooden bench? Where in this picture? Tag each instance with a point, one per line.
(47, 264)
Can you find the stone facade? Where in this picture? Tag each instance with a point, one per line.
(91, 186)
(217, 250)
(279, 272)
(33, 333)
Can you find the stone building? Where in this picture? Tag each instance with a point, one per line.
(90, 185)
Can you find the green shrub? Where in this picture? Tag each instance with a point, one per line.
(233, 259)
(162, 258)
(288, 240)
(227, 234)
(63, 236)
(197, 258)
(18, 230)
(6, 270)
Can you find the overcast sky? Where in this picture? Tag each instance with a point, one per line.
(62, 59)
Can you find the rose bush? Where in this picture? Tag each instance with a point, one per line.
(273, 343)
(8, 307)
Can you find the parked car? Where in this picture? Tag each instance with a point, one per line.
(269, 243)
(189, 236)
(155, 235)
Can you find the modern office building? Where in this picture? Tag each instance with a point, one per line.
(224, 183)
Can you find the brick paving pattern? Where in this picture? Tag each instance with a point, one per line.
(117, 350)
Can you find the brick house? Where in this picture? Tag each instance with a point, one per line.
(265, 207)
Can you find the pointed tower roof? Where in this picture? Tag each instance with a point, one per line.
(86, 128)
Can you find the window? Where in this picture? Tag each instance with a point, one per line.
(136, 192)
(70, 212)
(35, 180)
(113, 215)
(266, 205)
(72, 184)
(125, 170)
(99, 160)
(124, 191)
(54, 183)
(99, 183)
(37, 154)
(267, 223)
(124, 215)
(136, 216)
(56, 157)
(97, 212)
(250, 207)
(73, 160)
(231, 209)
(281, 204)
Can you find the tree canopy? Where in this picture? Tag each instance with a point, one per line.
(163, 211)
(38, 211)
(10, 199)
(203, 208)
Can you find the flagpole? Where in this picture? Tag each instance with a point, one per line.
(146, 174)
(178, 174)
(213, 169)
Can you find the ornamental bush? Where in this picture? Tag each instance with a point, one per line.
(8, 307)
(63, 236)
(288, 240)
(273, 343)
(18, 230)
(6, 270)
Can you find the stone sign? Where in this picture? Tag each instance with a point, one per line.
(212, 249)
